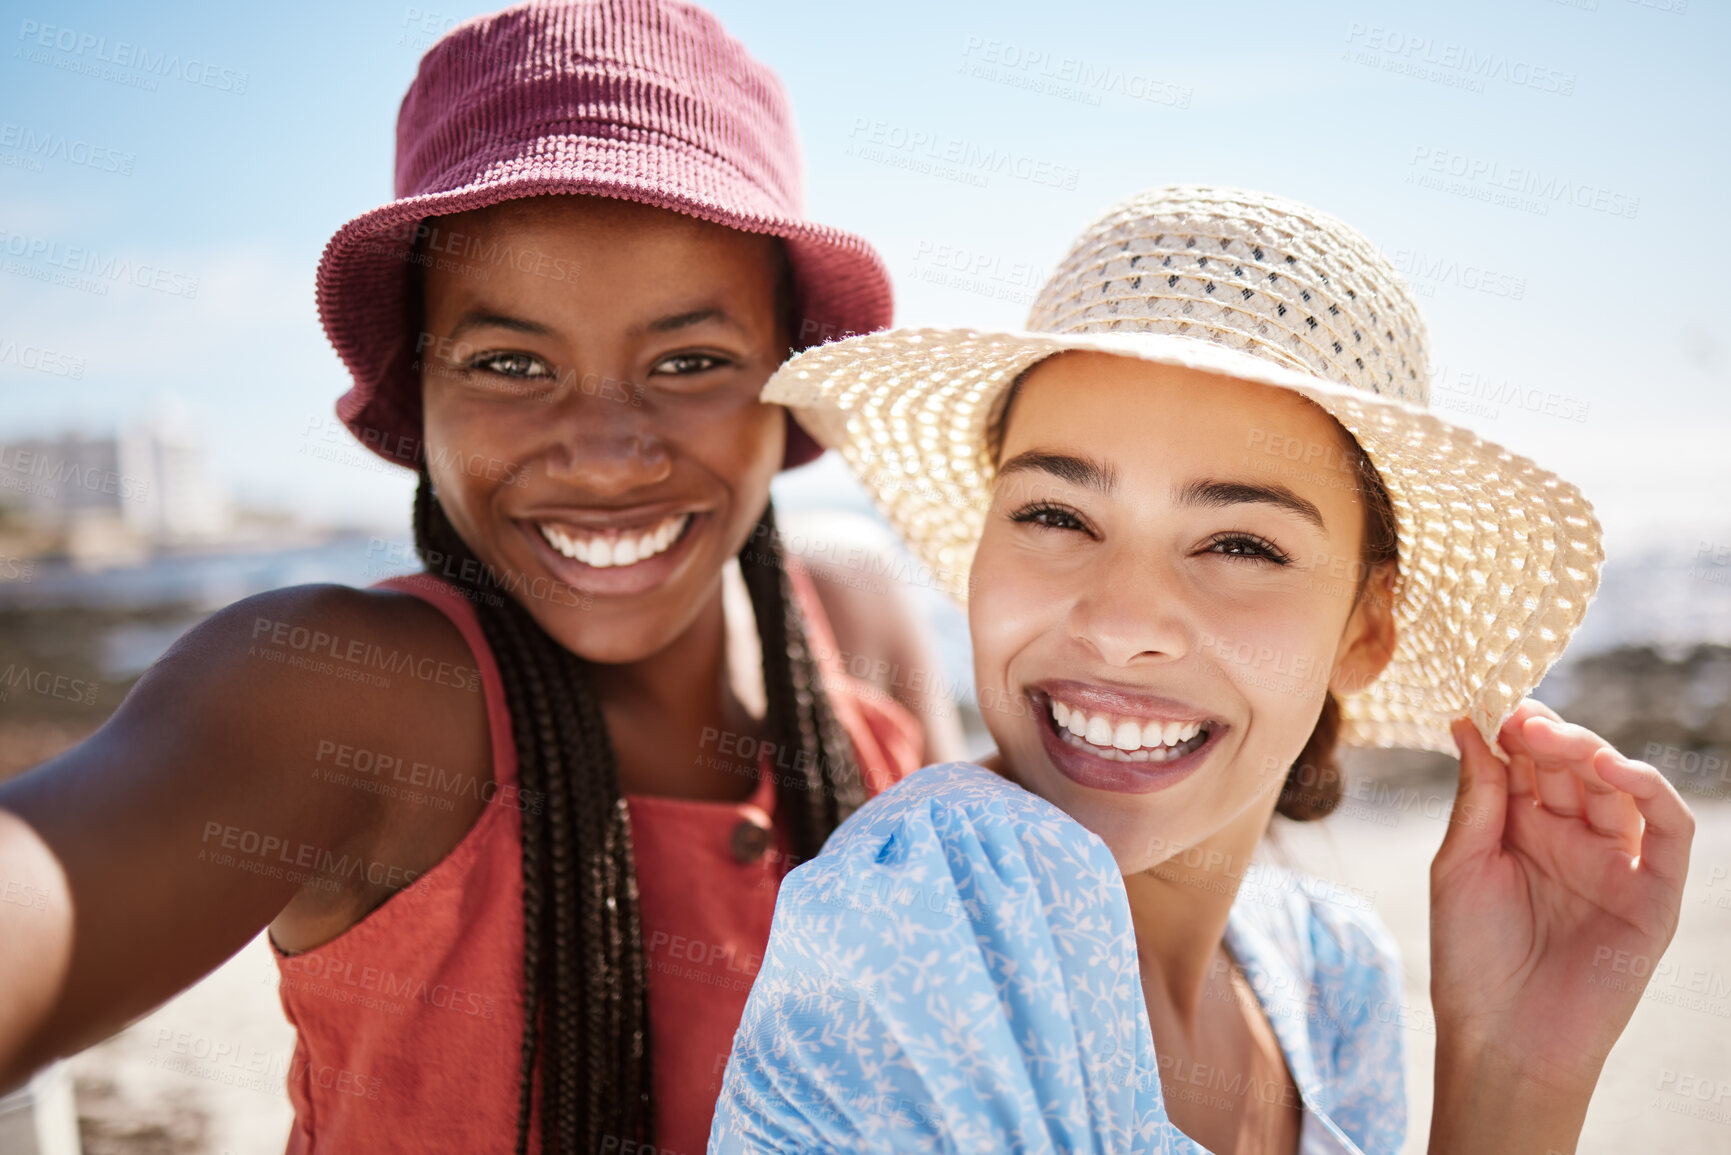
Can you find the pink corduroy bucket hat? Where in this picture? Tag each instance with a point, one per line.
(642, 100)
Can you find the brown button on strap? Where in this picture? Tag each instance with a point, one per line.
(750, 837)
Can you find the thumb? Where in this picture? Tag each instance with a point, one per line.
(1481, 800)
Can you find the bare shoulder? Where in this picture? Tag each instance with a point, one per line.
(275, 709)
(251, 753)
(323, 623)
(302, 668)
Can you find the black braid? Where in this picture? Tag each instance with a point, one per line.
(827, 787)
(585, 970)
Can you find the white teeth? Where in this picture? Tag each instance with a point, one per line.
(1125, 738)
(602, 550)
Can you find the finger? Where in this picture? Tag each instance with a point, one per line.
(1554, 740)
(1612, 814)
(1563, 748)
(1558, 788)
(1523, 779)
(1482, 797)
(1511, 735)
(1559, 745)
(1536, 708)
(1670, 827)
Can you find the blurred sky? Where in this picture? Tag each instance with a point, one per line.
(1602, 308)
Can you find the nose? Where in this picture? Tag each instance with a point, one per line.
(603, 445)
(1134, 609)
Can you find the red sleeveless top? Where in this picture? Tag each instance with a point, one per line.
(409, 1025)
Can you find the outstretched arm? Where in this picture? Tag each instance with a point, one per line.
(162, 844)
(1561, 857)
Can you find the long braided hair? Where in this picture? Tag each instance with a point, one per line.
(585, 972)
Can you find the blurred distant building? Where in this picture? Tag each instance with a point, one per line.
(107, 500)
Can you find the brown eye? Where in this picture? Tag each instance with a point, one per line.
(685, 364)
(1246, 545)
(511, 365)
(1049, 516)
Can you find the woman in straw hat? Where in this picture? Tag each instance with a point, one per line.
(516, 824)
(1206, 530)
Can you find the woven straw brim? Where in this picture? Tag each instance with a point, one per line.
(1498, 557)
(840, 283)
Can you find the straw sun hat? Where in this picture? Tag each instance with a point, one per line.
(1498, 558)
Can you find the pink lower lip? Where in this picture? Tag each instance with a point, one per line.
(1098, 773)
(617, 581)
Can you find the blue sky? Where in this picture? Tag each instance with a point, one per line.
(1601, 310)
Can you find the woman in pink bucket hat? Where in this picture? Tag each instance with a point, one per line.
(516, 824)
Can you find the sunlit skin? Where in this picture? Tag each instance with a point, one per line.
(1142, 591)
(1122, 580)
(1135, 561)
(626, 395)
(605, 401)
(613, 398)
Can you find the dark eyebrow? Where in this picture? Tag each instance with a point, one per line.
(1082, 471)
(480, 319)
(694, 317)
(1216, 493)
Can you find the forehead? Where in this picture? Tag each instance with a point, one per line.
(581, 252)
(1118, 402)
(1158, 429)
(602, 222)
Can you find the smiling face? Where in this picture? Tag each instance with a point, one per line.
(1159, 604)
(591, 412)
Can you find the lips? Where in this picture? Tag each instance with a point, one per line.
(1129, 739)
(614, 547)
(1123, 741)
(615, 553)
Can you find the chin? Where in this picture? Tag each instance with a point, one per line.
(1141, 829)
(613, 637)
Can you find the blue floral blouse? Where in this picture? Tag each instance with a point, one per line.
(957, 972)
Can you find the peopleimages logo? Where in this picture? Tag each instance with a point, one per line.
(1522, 187)
(44, 145)
(105, 267)
(41, 359)
(955, 158)
(82, 51)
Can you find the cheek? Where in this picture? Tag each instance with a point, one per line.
(1277, 657)
(468, 460)
(486, 439)
(746, 451)
(1010, 608)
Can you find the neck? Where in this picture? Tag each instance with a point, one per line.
(1180, 910)
(675, 716)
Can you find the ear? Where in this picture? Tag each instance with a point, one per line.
(1367, 643)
